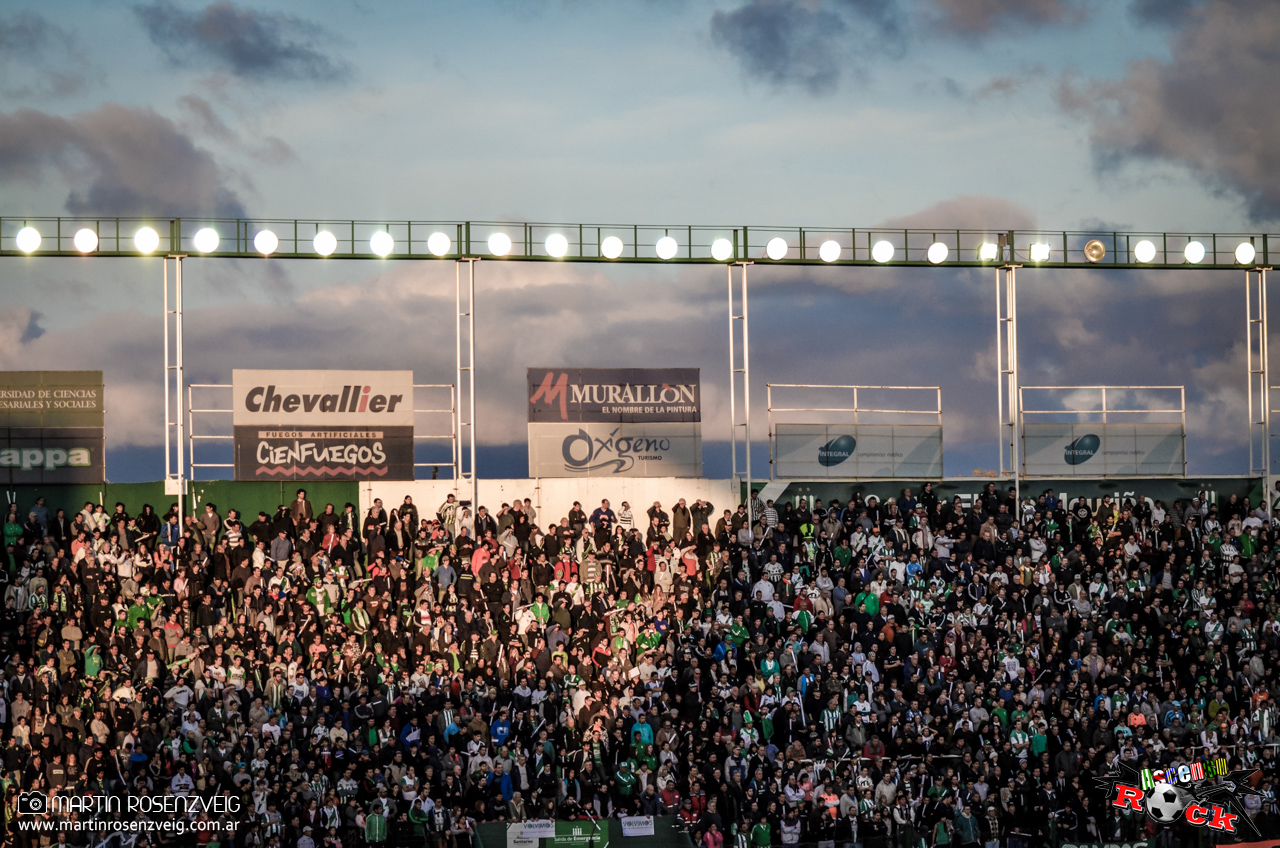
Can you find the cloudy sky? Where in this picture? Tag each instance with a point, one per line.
(1065, 114)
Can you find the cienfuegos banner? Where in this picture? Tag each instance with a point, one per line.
(1106, 450)
(329, 425)
(816, 451)
(51, 427)
(629, 422)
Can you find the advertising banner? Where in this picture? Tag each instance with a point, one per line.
(621, 395)
(1103, 450)
(329, 425)
(637, 825)
(580, 834)
(602, 422)
(51, 427)
(818, 451)
(607, 450)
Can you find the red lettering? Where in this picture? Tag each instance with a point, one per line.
(1222, 820)
(1128, 796)
(1197, 815)
(550, 391)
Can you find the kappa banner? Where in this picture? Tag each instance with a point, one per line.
(622, 395)
(329, 425)
(817, 451)
(607, 450)
(1102, 450)
(51, 427)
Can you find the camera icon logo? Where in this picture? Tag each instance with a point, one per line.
(32, 804)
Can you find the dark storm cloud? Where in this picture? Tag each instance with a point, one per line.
(1172, 12)
(245, 42)
(1210, 108)
(783, 43)
(116, 160)
(983, 17)
(39, 59)
(27, 34)
(807, 44)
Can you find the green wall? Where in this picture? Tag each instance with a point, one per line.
(248, 497)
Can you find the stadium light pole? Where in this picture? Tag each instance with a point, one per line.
(739, 321)
(465, 408)
(1007, 365)
(174, 384)
(1259, 391)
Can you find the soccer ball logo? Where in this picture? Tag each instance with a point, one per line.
(1165, 803)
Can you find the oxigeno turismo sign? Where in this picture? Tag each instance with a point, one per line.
(642, 422)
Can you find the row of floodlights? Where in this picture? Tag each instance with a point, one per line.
(206, 240)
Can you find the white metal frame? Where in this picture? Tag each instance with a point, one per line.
(193, 437)
(855, 409)
(174, 466)
(1007, 377)
(193, 411)
(1105, 409)
(1255, 293)
(464, 455)
(740, 321)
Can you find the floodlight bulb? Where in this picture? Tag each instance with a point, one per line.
(266, 242)
(938, 253)
(85, 240)
(28, 239)
(1144, 251)
(611, 247)
(205, 240)
(499, 244)
(1039, 252)
(1194, 252)
(557, 245)
(882, 251)
(1245, 253)
(666, 247)
(146, 240)
(325, 243)
(439, 244)
(829, 251)
(382, 243)
(721, 249)
(988, 251)
(776, 249)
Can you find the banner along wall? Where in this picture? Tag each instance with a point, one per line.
(1103, 450)
(627, 422)
(327, 425)
(51, 427)
(855, 451)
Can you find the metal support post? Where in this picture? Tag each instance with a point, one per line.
(1259, 373)
(174, 392)
(465, 416)
(739, 322)
(1007, 379)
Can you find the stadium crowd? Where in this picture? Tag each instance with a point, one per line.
(900, 673)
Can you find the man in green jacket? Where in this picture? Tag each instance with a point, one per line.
(375, 826)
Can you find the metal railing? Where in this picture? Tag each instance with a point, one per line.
(295, 238)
